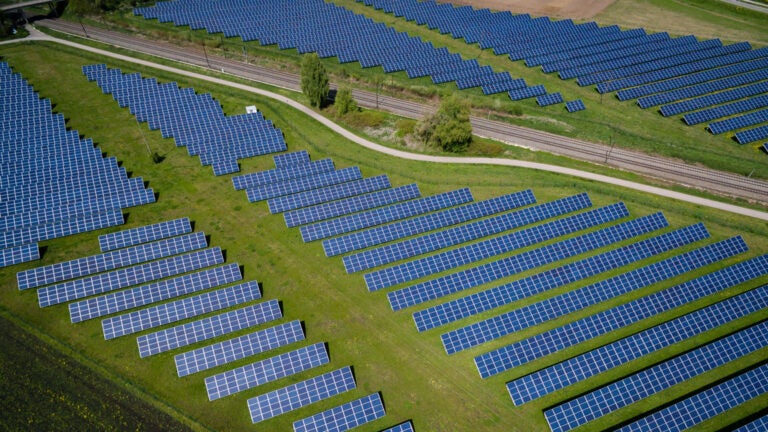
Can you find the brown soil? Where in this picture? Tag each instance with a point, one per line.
(576, 9)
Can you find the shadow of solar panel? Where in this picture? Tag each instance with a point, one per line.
(303, 184)
(706, 404)
(301, 394)
(498, 296)
(350, 205)
(556, 307)
(430, 222)
(575, 105)
(145, 234)
(343, 417)
(609, 356)
(418, 268)
(457, 235)
(109, 261)
(276, 175)
(156, 316)
(328, 193)
(265, 371)
(125, 277)
(85, 223)
(207, 328)
(541, 345)
(238, 348)
(653, 380)
(19, 254)
(383, 215)
(486, 273)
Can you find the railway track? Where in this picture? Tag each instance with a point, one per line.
(664, 169)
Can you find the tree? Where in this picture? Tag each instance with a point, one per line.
(314, 80)
(344, 101)
(449, 128)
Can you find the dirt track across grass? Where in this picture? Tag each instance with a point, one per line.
(576, 9)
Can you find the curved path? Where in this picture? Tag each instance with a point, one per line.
(36, 35)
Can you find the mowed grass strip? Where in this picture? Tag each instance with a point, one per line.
(415, 376)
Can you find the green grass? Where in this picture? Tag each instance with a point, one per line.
(416, 378)
(607, 120)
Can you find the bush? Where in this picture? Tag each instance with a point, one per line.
(449, 128)
(344, 102)
(405, 127)
(314, 80)
(365, 119)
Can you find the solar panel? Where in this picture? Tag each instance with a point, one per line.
(265, 371)
(464, 233)
(109, 261)
(559, 276)
(575, 105)
(522, 352)
(302, 184)
(383, 215)
(207, 328)
(330, 193)
(653, 380)
(262, 178)
(59, 229)
(343, 417)
(402, 427)
(358, 203)
(739, 122)
(19, 254)
(705, 404)
(429, 222)
(238, 348)
(615, 354)
(549, 99)
(752, 135)
(301, 394)
(759, 425)
(289, 159)
(144, 234)
(125, 277)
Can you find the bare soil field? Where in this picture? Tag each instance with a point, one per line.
(576, 9)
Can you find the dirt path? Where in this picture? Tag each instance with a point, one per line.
(576, 9)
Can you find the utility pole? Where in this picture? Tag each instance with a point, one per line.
(205, 52)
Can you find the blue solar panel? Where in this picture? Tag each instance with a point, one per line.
(464, 233)
(59, 229)
(705, 404)
(684, 99)
(109, 261)
(402, 427)
(297, 395)
(302, 184)
(350, 205)
(265, 371)
(125, 277)
(648, 382)
(144, 234)
(343, 417)
(546, 343)
(739, 122)
(752, 135)
(575, 105)
(498, 296)
(726, 110)
(224, 167)
(289, 159)
(613, 355)
(238, 348)
(430, 222)
(326, 194)
(383, 215)
(207, 328)
(549, 99)
(165, 289)
(759, 425)
(261, 178)
(489, 272)
(19, 254)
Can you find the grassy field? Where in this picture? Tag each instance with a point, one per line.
(416, 378)
(607, 120)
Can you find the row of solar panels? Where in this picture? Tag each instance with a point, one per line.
(633, 62)
(54, 184)
(373, 231)
(195, 121)
(332, 31)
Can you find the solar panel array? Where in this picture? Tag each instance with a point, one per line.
(301, 394)
(402, 427)
(327, 29)
(54, 184)
(653, 380)
(706, 404)
(549, 99)
(144, 234)
(264, 371)
(328, 193)
(758, 425)
(575, 105)
(522, 352)
(594, 362)
(194, 121)
(343, 417)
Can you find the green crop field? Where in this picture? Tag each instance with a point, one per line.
(416, 378)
